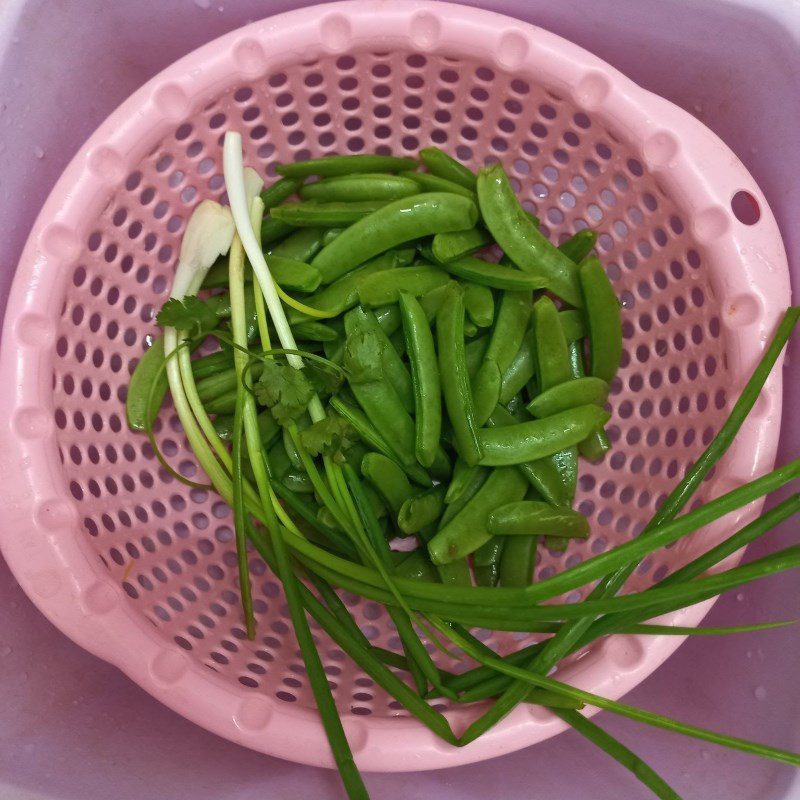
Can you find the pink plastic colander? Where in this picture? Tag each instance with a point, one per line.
(141, 570)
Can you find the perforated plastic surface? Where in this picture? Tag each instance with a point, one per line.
(584, 147)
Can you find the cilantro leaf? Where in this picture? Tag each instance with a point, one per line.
(362, 356)
(325, 380)
(191, 315)
(330, 437)
(285, 390)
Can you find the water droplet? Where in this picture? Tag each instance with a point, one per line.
(749, 653)
(760, 654)
(740, 596)
(760, 693)
(5, 651)
(38, 152)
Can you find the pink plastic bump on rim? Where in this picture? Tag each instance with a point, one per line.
(141, 570)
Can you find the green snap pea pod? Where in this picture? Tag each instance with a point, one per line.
(361, 319)
(554, 368)
(267, 427)
(344, 165)
(572, 393)
(528, 441)
(330, 234)
(280, 191)
(603, 316)
(442, 165)
(390, 320)
(518, 560)
(597, 444)
(211, 364)
(486, 561)
(273, 230)
(573, 325)
(428, 182)
(314, 332)
(432, 302)
(521, 240)
(447, 246)
(467, 530)
(479, 304)
(343, 294)
(535, 517)
(376, 502)
(302, 245)
(331, 215)
(217, 385)
(294, 275)
(456, 573)
(369, 186)
(388, 479)
(441, 469)
(381, 403)
(520, 371)
(486, 390)
(552, 353)
(369, 433)
(468, 490)
(454, 376)
(148, 385)
(297, 481)
(395, 223)
(495, 276)
(224, 403)
(555, 544)
(279, 463)
(474, 352)
(425, 379)
(508, 334)
(384, 287)
(417, 566)
(292, 452)
(579, 245)
(421, 510)
(463, 476)
(544, 474)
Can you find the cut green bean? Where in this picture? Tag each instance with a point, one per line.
(573, 324)
(330, 166)
(354, 188)
(331, 215)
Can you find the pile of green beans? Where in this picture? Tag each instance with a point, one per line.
(460, 390)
